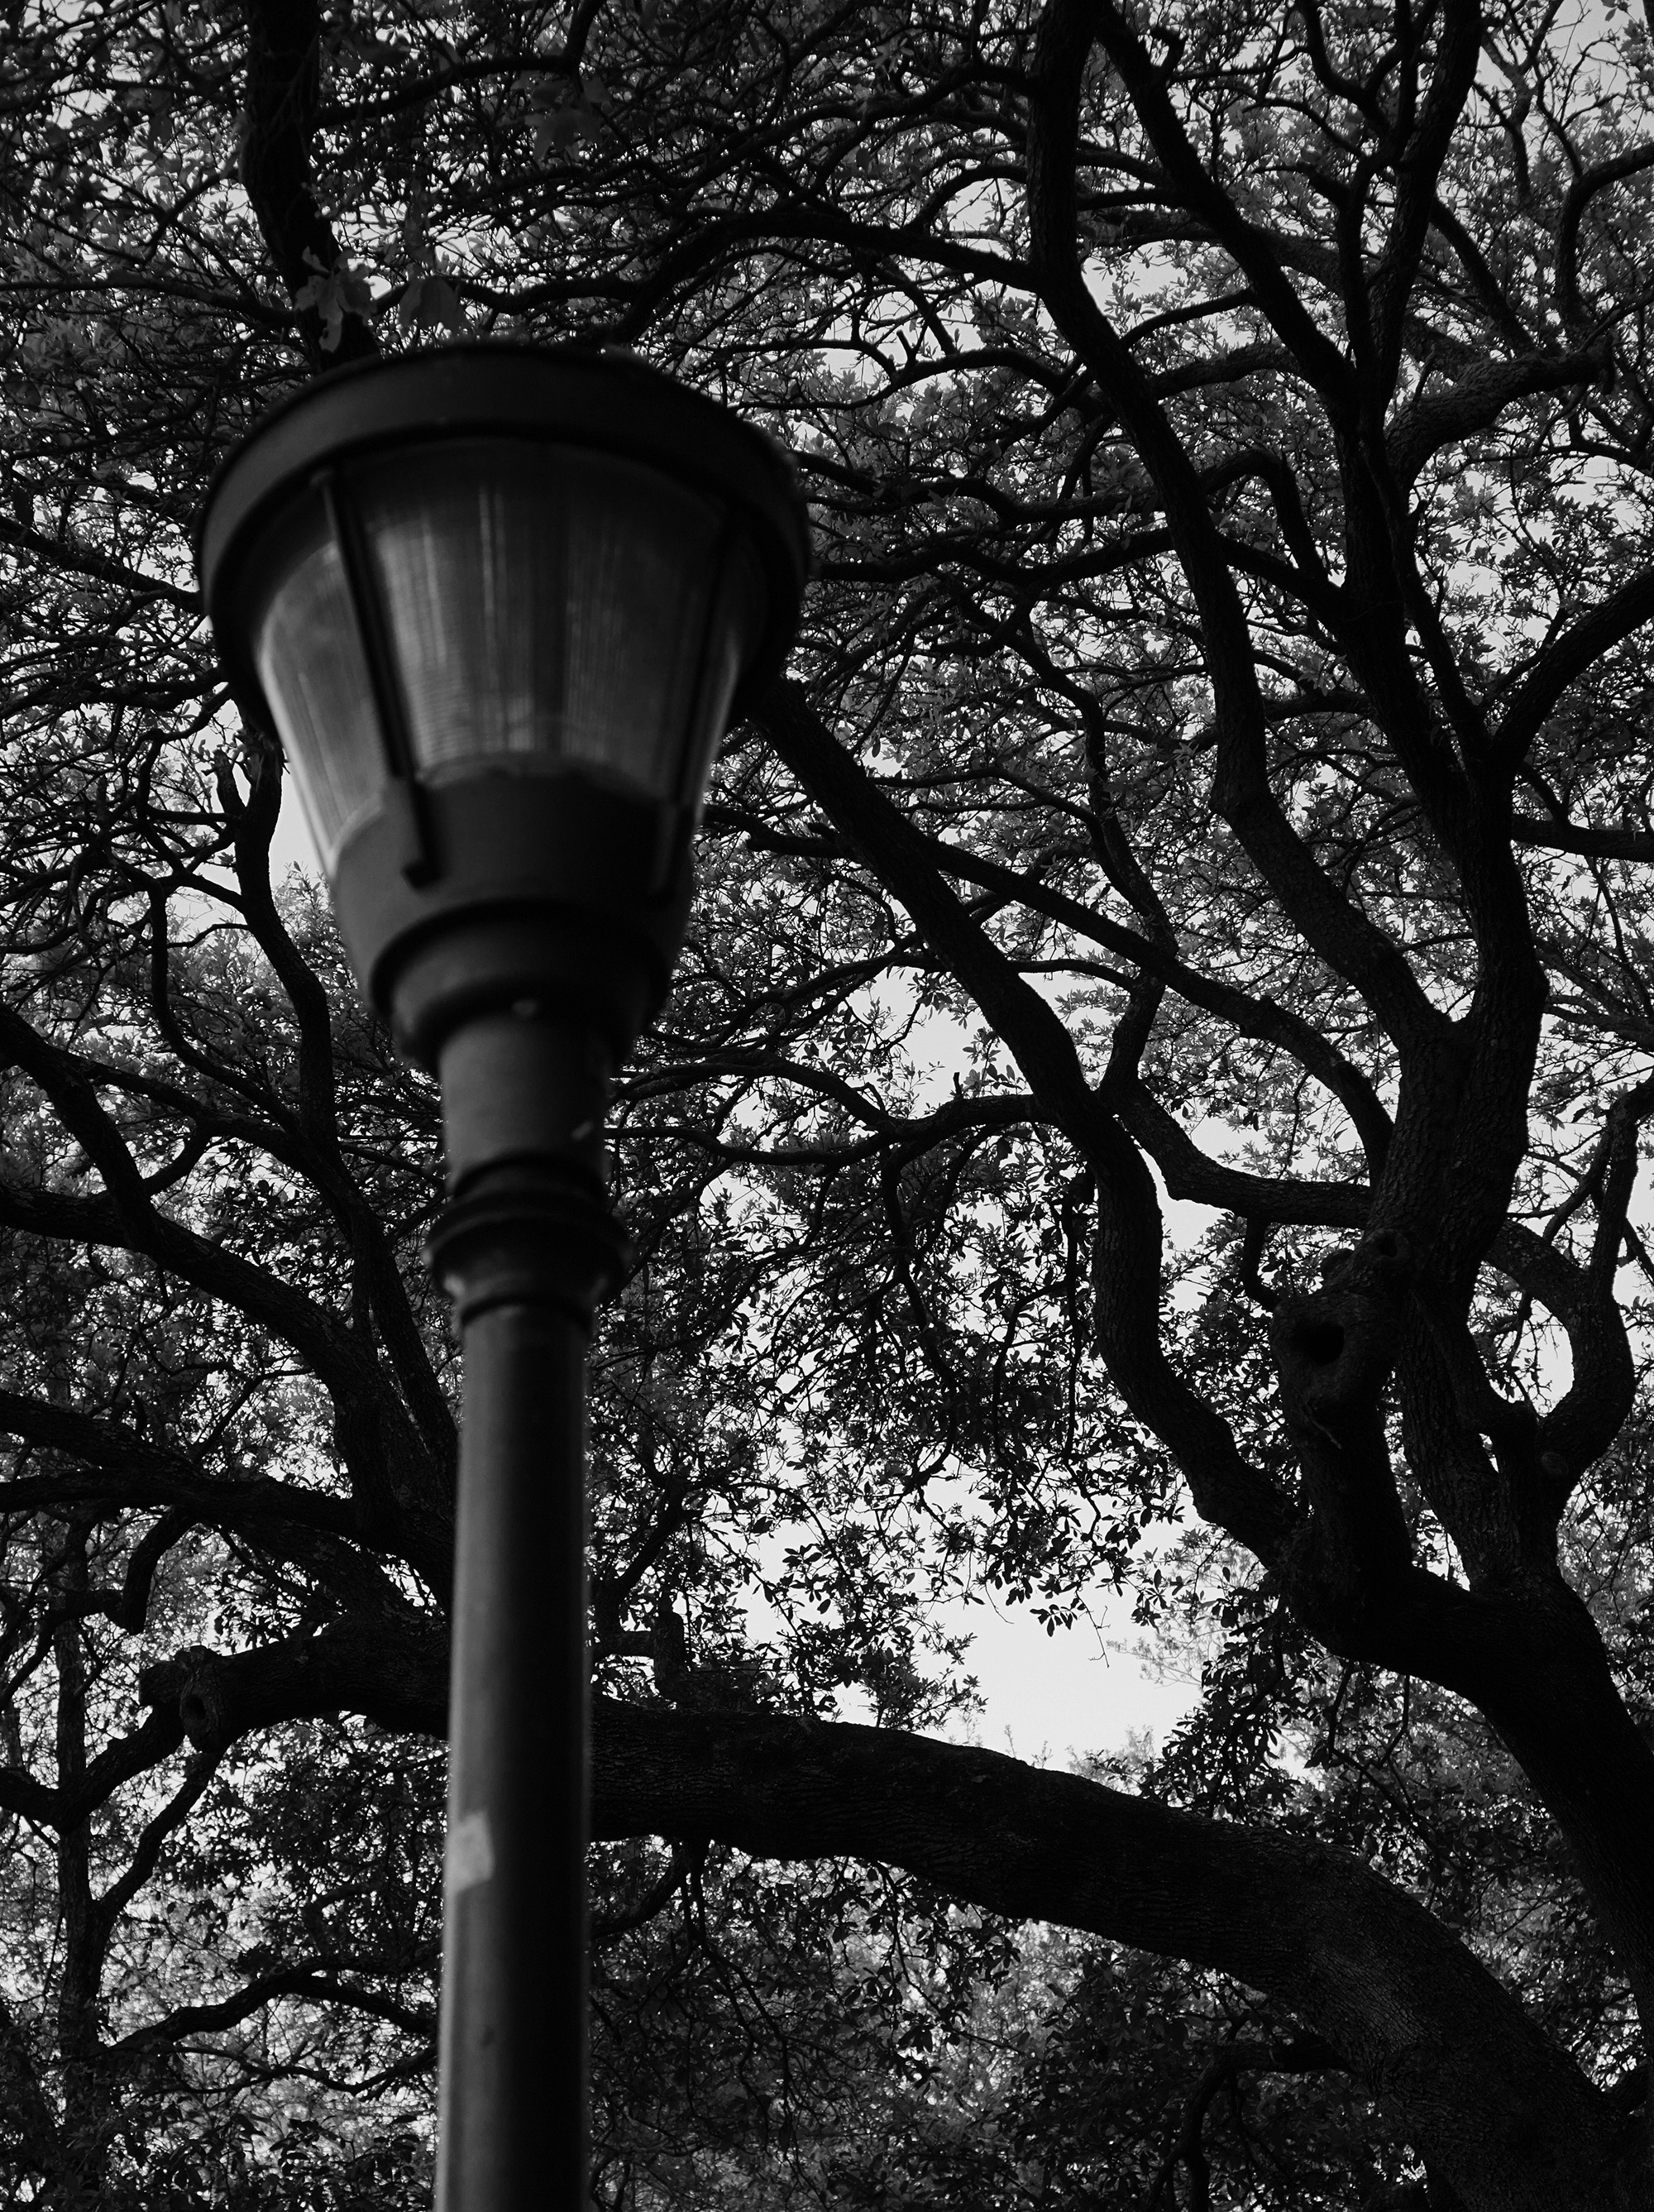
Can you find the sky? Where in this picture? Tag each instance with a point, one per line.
(292, 846)
(1053, 1699)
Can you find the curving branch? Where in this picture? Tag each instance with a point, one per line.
(1126, 1266)
(311, 1981)
(64, 555)
(1253, 1014)
(1566, 658)
(1071, 25)
(255, 822)
(127, 1216)
(1407, 2007)
(403, 1488)
(1303, 2054)
(1329, 922)
(1194, 1174)
(121, 1470)
(686, 1860)
(73, 1803)
(1580, 193)
(1417, 168)
(152, 1839)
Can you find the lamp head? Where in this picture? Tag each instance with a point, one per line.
(500, 604)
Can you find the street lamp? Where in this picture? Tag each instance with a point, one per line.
(499, 604)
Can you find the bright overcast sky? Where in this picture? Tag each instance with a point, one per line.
(1052, 1700)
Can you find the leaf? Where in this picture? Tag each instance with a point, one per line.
(339, 291)
(430, 300)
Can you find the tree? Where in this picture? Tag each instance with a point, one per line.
(1215, 764)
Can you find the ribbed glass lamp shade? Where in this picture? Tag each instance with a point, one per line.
(536, 607)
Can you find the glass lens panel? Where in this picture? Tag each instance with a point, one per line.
(546, 606)
(737, 619)
(310, 662)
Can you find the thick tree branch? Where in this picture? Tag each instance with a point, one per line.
(396, 1674)
(284, 78)
(1334, 1353)
(1475, 400)
(1611, 844)
(1488, 2097)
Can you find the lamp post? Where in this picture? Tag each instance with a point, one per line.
(499, 604)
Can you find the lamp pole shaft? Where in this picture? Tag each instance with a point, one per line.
(525, 1246)
(512, 2107)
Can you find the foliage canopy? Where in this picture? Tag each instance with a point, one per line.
(1216, 763)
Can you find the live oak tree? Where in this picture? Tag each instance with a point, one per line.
(1215, 764)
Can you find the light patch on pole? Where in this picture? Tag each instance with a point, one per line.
(470, 1857)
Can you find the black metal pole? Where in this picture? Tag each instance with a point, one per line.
(513, 1971)
(525, 1247)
